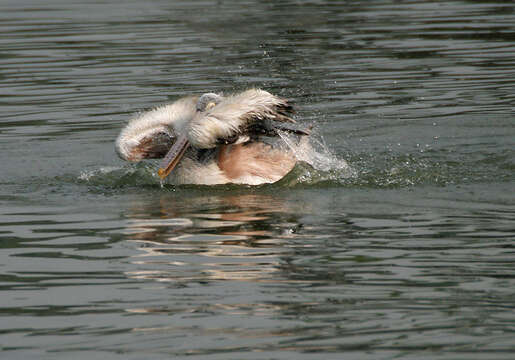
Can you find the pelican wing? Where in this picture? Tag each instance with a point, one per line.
(238, 117)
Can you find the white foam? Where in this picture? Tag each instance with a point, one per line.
(315, 153)
(87, 175)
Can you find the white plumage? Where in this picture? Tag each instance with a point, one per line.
(223, 139)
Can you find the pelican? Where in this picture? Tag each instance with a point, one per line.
(214, 139)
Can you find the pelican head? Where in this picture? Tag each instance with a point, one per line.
(208, 101)
(214, 139)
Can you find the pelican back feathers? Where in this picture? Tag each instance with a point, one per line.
(235, 116)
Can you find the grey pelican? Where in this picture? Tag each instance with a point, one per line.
(214, 139)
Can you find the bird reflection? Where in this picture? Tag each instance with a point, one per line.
(210, 237)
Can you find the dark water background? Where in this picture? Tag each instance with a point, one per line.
(413, 257)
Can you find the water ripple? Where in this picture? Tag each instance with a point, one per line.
(395, 242)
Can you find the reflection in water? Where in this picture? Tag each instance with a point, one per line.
(319, 281)
(214, 237)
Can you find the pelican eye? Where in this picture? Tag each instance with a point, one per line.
(210, 106)
(208, 101)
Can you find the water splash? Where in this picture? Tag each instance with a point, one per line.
(141, 174)
(314, 152)
(319, 166)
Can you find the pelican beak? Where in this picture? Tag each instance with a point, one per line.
(173, 156)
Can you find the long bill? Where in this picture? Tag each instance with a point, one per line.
(173, 156)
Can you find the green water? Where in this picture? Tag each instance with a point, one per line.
(408, 255)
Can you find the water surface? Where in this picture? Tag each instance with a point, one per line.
(408, 256)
